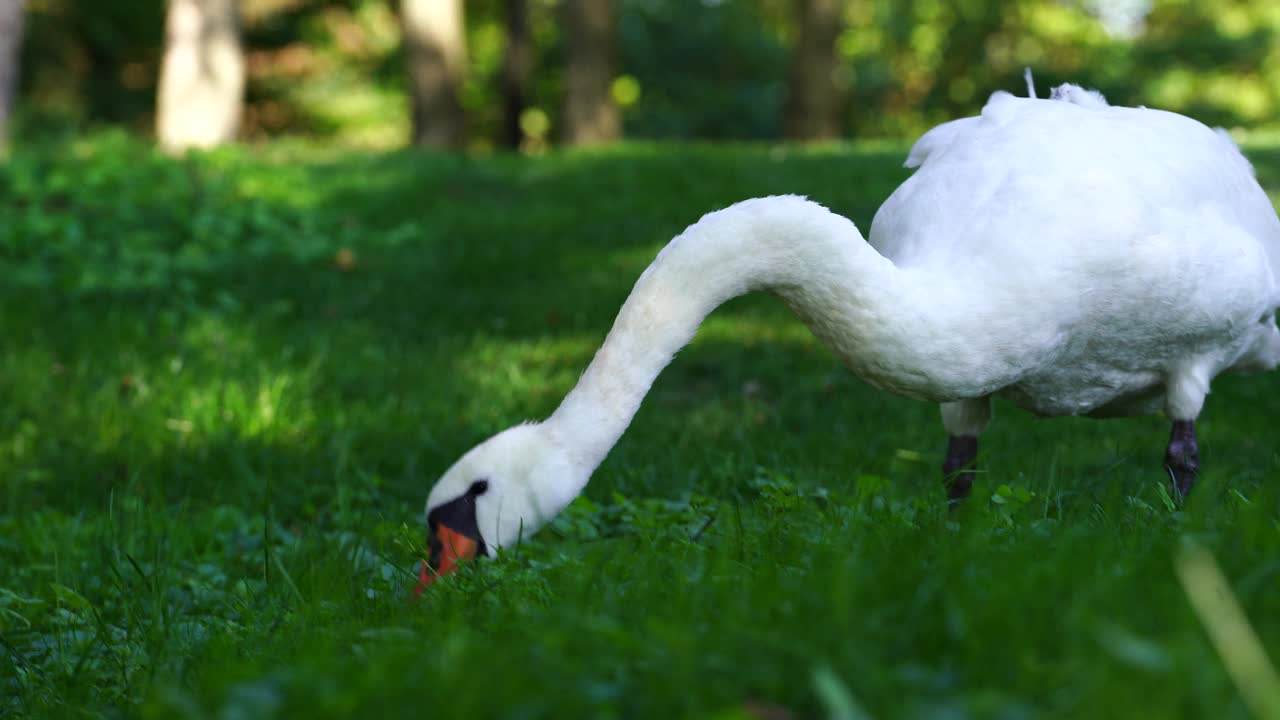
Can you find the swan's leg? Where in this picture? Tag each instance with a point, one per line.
(964, 420)
(958, 469)
(1187, 390)
(1182, 458)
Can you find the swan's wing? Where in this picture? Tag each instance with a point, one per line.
(1038, 182)
(936, 141)
(896, 231)
(1263, 228)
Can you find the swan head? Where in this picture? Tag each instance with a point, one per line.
(501, 491)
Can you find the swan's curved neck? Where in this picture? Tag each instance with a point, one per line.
(865, 309)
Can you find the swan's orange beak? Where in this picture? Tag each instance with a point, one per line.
(448, 548)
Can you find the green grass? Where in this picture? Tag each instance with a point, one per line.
(215, 445)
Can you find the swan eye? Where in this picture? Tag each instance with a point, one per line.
(478, 488)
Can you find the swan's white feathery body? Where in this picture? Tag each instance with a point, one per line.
(1126, 252)
(1076, 257)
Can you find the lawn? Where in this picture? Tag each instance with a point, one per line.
(228, 382)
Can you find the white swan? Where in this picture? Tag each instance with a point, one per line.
(1074, 257)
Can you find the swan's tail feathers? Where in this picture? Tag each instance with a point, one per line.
(1031, 83)
(1077, 95)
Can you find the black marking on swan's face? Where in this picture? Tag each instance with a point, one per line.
(459, 515)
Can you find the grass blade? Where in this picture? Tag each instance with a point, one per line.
(1229, 630)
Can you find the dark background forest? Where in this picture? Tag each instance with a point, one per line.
(682, 69)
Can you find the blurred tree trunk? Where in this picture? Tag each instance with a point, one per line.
(435, 49)
(10, 41)
(815, 97)
(201, 93)
(590, 114)
(517, 66)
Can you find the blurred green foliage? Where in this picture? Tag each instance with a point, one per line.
(688, 68)
(90, 60)
(923, 61)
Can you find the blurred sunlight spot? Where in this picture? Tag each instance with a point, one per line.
(626, 90)
(1174, 89)
(926, 39)
(859, 42)
(487, 40)
(356, 113)
(1235, 22)
(1056, 22)
(1244, 95)
(535, 123)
